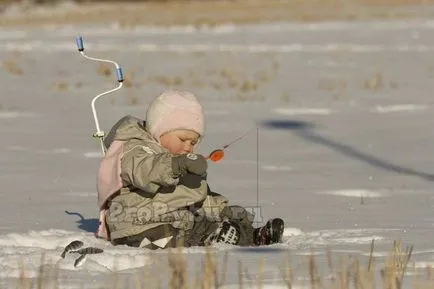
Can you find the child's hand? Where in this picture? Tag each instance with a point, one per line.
(189, 163)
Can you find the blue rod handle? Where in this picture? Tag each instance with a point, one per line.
(119, 74)
(79, 41)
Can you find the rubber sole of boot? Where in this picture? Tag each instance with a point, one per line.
(277, 227)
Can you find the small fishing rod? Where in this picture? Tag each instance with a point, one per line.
(218, 154)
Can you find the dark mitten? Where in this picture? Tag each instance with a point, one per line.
(191, 181)
(189, 163)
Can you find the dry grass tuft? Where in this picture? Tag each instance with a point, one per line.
(12, 67)
(128, 80)
(60, 86)
(333, 84)
(199, 13)
(345, 272)
(104, 70)
(171, 81)
(375, 83)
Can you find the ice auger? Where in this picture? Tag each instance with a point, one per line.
(99, 134)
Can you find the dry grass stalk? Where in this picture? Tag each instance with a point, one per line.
(240, 275)
(167, 80)
(104, 70)
(216, 85)
(287, 275)
(375, 83)
(249, 279)
(429, 273)
(23, 281)
(349, 274)
(178, 270)
(395, 267)
(286, 97)
(315, 278)
(331, 266)
(220, 12)
(127, 83)
(371, 256)
(333, 84)
(342, 274)
(114, 278)
(60, 86)
(12, 67)
(260, 275)
(261, 76)
(248, 86)
(208, 270)
(224, 270)
(41, 273)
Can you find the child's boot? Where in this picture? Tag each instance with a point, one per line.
(270, 233)
(227, 233)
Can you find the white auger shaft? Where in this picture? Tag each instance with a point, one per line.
(99, 133)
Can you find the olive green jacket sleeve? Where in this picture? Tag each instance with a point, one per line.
(145, 168)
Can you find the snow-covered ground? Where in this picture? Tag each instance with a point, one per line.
(342, 149)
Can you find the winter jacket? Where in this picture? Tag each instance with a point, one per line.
(137, 189)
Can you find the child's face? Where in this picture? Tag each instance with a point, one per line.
(179, 141)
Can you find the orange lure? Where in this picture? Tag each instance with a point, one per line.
(218, 154)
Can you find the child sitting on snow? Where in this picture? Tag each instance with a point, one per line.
(152, 189)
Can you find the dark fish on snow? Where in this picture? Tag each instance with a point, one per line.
(89, 250)
(71, 247)
(80, 260)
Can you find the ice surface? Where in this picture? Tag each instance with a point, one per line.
(343, 152)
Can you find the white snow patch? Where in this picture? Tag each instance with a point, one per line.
(52, 46)
(12, 35)
(310, 253)
(290, 232)
(17, 250)
(377, 254)
(329, 63)
(343, 251)
(61, 151)
(276, 168)
(93, 155)
(15, 114)
(353, 232)
(358, 240)
(355, 193)
(265, 286)
(304, 111)
(423, 264)
(336, 237)
(114, 29)
(17, 148)
(386, 254)
(81, 194)
(45, 152)
(346, 26)
(399, 108)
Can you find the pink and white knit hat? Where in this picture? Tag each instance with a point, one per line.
(174, 110)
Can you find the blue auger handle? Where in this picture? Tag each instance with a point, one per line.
(119, 74)
(79, 41)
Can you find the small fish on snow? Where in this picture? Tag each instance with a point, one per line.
(89, 250)
(72, 246)
(80, 260)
